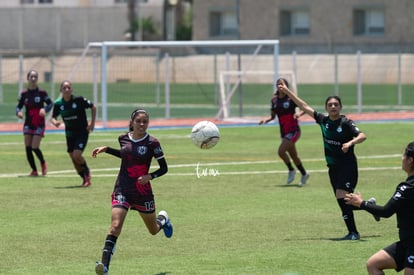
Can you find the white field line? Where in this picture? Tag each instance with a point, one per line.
(213, 168)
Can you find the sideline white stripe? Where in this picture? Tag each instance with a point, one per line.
(71, 173)
(193, 174)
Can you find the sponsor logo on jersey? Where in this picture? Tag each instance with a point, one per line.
(397, 195)
(158, 150)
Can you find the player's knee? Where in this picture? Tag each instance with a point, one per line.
(372, 267)
(116, 227)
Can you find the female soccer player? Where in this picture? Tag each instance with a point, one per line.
(285, 109)
(34, 100)
(399, 255)
(340, 135)
(132, 187)
(72, 109)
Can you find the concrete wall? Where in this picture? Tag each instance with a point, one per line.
(56, 29)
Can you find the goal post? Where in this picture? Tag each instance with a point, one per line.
(230, 81)
(163, 64)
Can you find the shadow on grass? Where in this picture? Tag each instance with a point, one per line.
(364, 239)
(70, 187)
(289, 185)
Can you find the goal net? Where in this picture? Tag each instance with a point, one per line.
(247, 93)
(172, 79)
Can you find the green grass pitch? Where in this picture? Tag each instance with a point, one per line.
(231, 209)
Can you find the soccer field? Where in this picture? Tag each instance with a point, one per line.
(231, 209)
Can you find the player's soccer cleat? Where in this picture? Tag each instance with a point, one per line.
(100, 269)
(303, 180)
(167, 227)
(86, 181)
(374, 202)
(44, 169)
(291, 176)
(352, 236)
(33, 174)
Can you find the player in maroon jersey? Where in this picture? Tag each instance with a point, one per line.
(37, 104)
(285, 109)
(132, 188)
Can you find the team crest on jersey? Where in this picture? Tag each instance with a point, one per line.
(142, 150)
(327, 125)
(286, 104)
(74, 106)
(37, 99)
(339, 129)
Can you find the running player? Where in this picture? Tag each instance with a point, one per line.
(37, 103)
(132, 188)
(72, 109)
(285, 109)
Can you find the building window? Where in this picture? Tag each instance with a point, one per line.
(294, 22)
(223, 24)
(369, 22)
(36, 2)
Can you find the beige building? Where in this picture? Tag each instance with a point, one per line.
(310, 26)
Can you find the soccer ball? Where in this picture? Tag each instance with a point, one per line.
(205, 134)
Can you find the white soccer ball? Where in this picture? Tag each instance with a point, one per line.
(205, 134)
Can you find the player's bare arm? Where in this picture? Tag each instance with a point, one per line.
(99, 150)
(268, 119)
(299, 102)
(91, 125)
(55, 122)
(361, 137)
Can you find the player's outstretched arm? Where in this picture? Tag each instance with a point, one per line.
(99, 150)
(106, 149)
(299, 102)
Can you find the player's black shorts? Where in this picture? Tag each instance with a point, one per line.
(402, 253)
(134, 201)
(76, 141)
(344, 176)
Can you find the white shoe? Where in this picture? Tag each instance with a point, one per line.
(303, 179)
(167, 227)
(291, 176)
